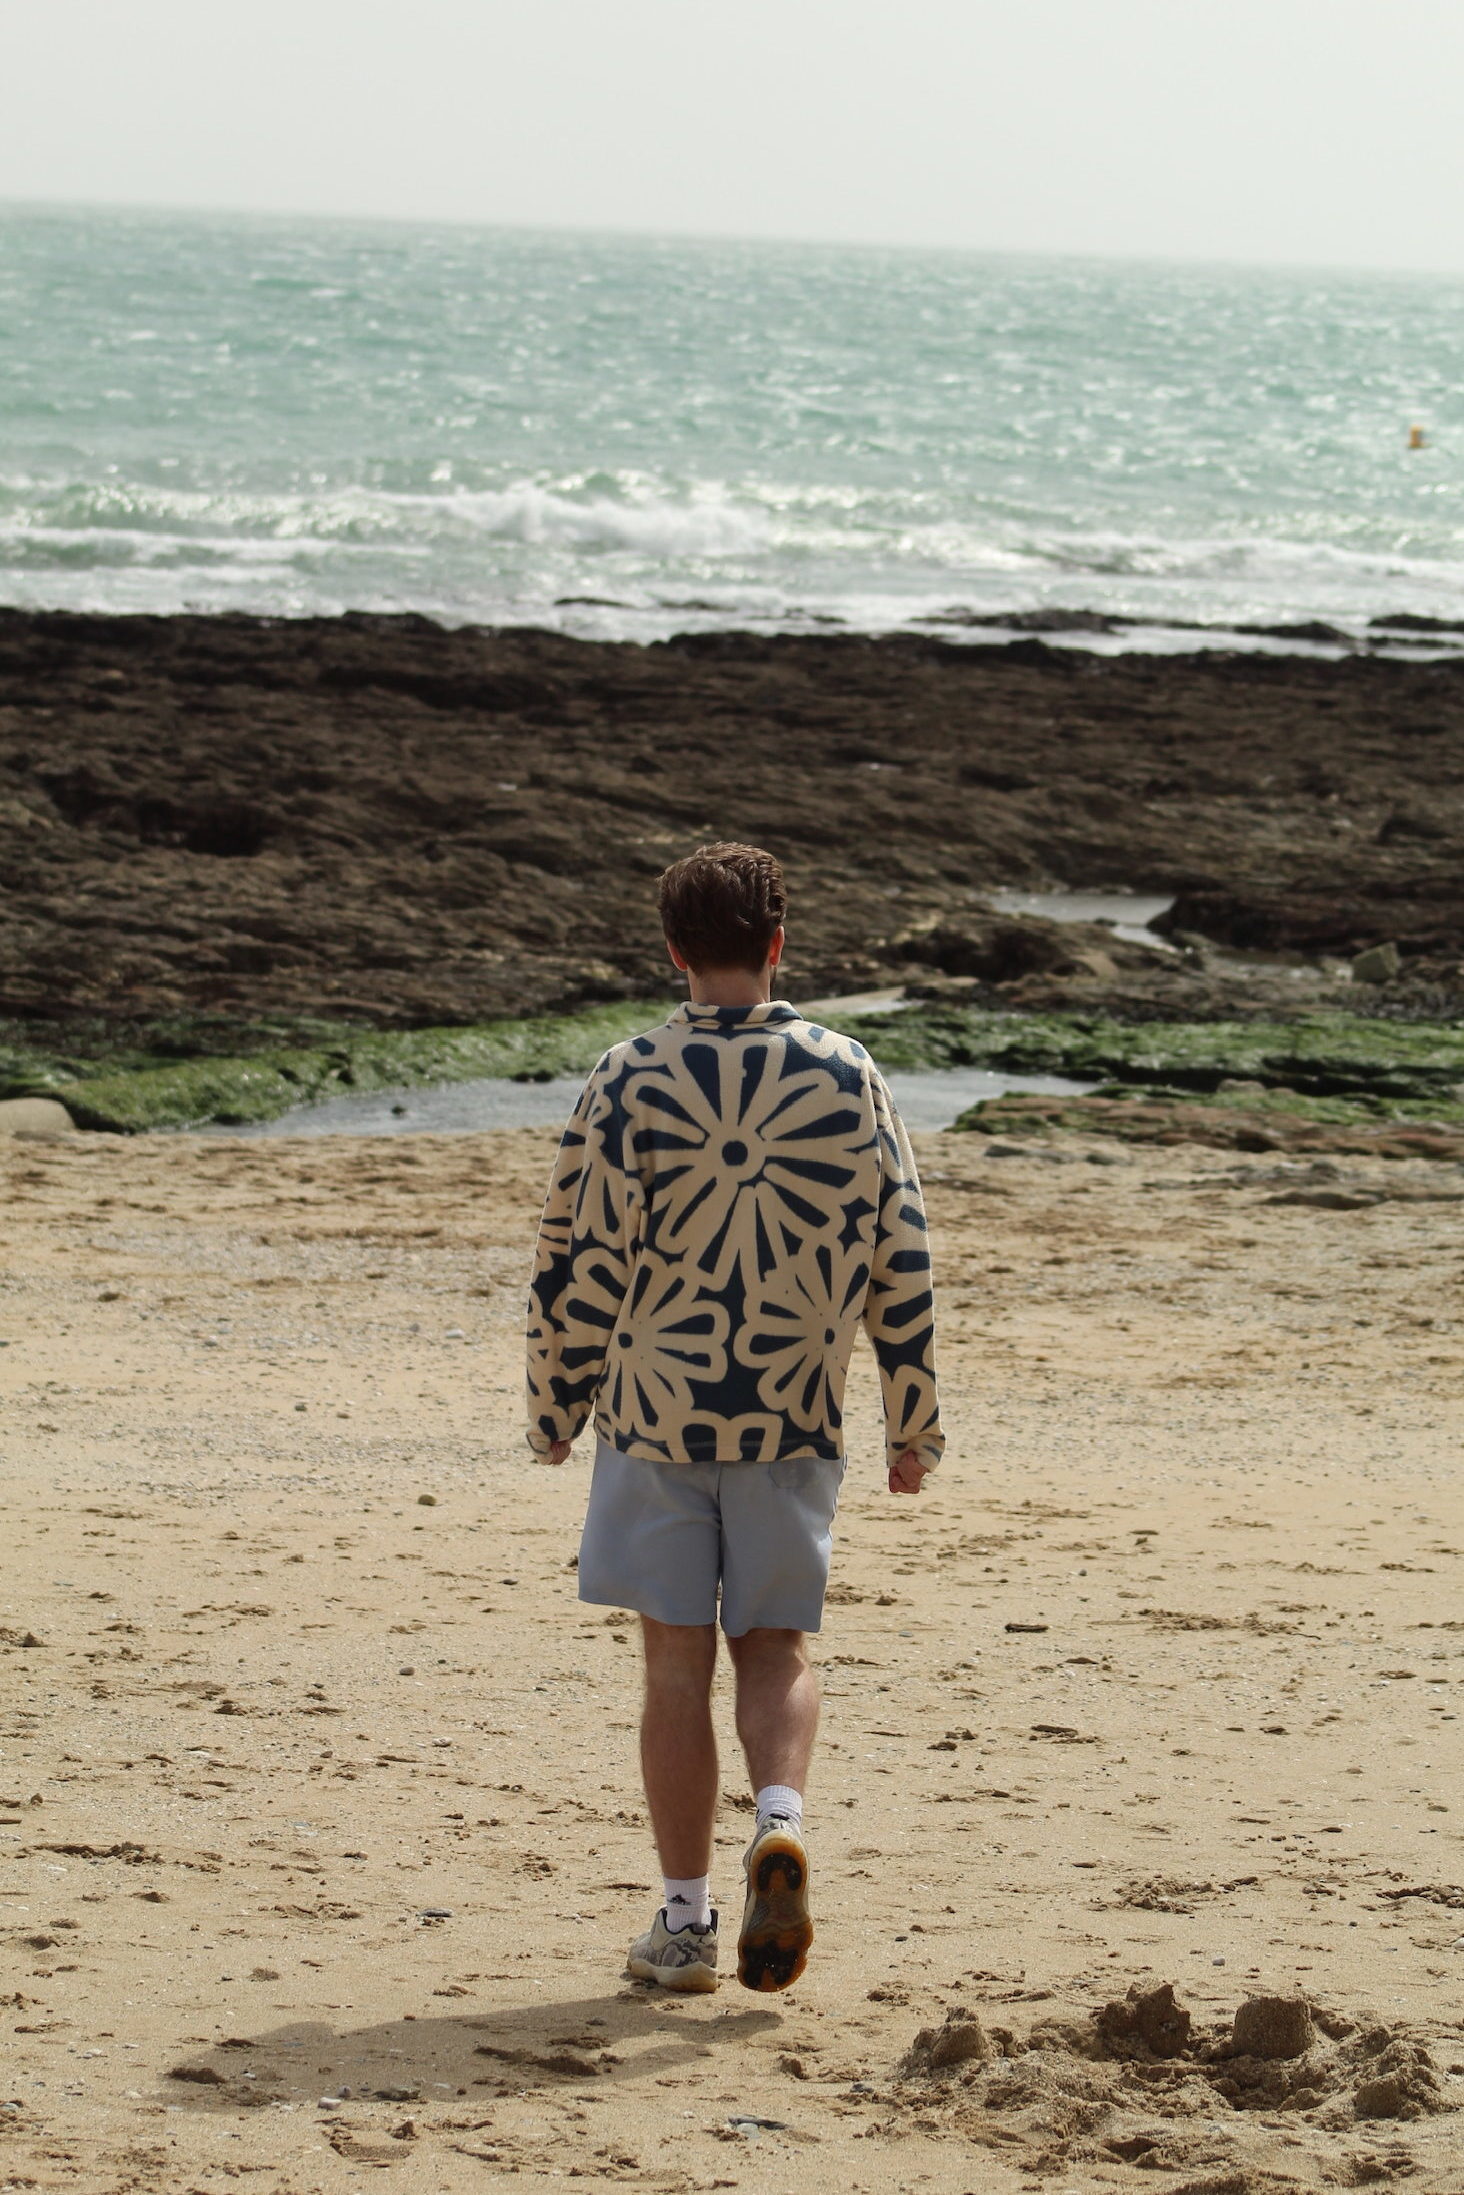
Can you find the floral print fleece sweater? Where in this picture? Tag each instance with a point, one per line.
(734, 1194)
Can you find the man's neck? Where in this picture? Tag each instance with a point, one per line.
(731, 986)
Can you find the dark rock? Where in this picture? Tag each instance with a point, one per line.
(1413, 621)
(1413, 823)
(1311, 629)
(1379, 964)
(1064, 621)
(999, 949)
(1427, 916)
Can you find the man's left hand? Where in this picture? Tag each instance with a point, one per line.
(559, 1452)
(907, 1473)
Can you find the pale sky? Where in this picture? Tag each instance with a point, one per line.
(1303, 131)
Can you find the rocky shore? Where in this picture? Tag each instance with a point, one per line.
(392, 823)
(232, 840)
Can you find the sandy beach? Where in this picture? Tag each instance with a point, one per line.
(322, 1838)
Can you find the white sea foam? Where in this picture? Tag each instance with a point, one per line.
(659, 529)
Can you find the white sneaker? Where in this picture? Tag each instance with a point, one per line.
(681, 1958)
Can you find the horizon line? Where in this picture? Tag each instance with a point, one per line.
(710, 237)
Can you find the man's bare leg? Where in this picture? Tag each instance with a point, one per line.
(777, 1719)
(777, 1706)
(678, 1744)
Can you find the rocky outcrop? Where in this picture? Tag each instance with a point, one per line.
(371, 818)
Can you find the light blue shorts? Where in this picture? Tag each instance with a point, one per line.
(661, 1537)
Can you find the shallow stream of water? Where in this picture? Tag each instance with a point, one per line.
(1128, 914)
(928, 1100)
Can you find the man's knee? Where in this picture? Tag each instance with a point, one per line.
(762, 1647)
(681, 1655)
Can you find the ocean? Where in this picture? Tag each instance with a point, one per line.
(627, 437)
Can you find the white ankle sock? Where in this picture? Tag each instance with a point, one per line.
(780, 1798)
(688, 1901)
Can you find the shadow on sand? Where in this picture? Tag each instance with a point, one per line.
(633, 2035)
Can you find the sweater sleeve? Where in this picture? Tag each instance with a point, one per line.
(899, 1310)
(582, 1264)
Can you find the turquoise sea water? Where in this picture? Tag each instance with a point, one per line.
(304, 416)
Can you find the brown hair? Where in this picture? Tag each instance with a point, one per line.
(721, 906)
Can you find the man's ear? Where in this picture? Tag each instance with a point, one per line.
(678, 960)
(776, 943)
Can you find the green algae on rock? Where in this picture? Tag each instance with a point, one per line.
(1411, 1064)
(1174, 1117)
(138, 1090)
(1356, 1109)
(1335, 1068)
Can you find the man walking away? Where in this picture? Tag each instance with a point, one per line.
(734, 1195)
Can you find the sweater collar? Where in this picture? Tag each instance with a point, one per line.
(764, 1014)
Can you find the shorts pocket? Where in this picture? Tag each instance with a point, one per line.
(807, 1475)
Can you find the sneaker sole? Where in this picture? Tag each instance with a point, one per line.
(773, 1948)
(692, 1979)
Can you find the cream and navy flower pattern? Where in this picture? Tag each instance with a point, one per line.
(733, 1197)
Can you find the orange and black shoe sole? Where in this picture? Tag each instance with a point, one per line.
(773, 1948)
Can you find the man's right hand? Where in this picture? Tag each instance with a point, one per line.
(559, 1452)
(907, 1473)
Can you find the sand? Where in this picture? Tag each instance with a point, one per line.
(319, 1783)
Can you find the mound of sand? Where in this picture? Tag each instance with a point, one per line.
(1144, 2082)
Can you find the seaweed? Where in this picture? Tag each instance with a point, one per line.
(1315, 1056)
(141, 1087)
(182, 1073)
